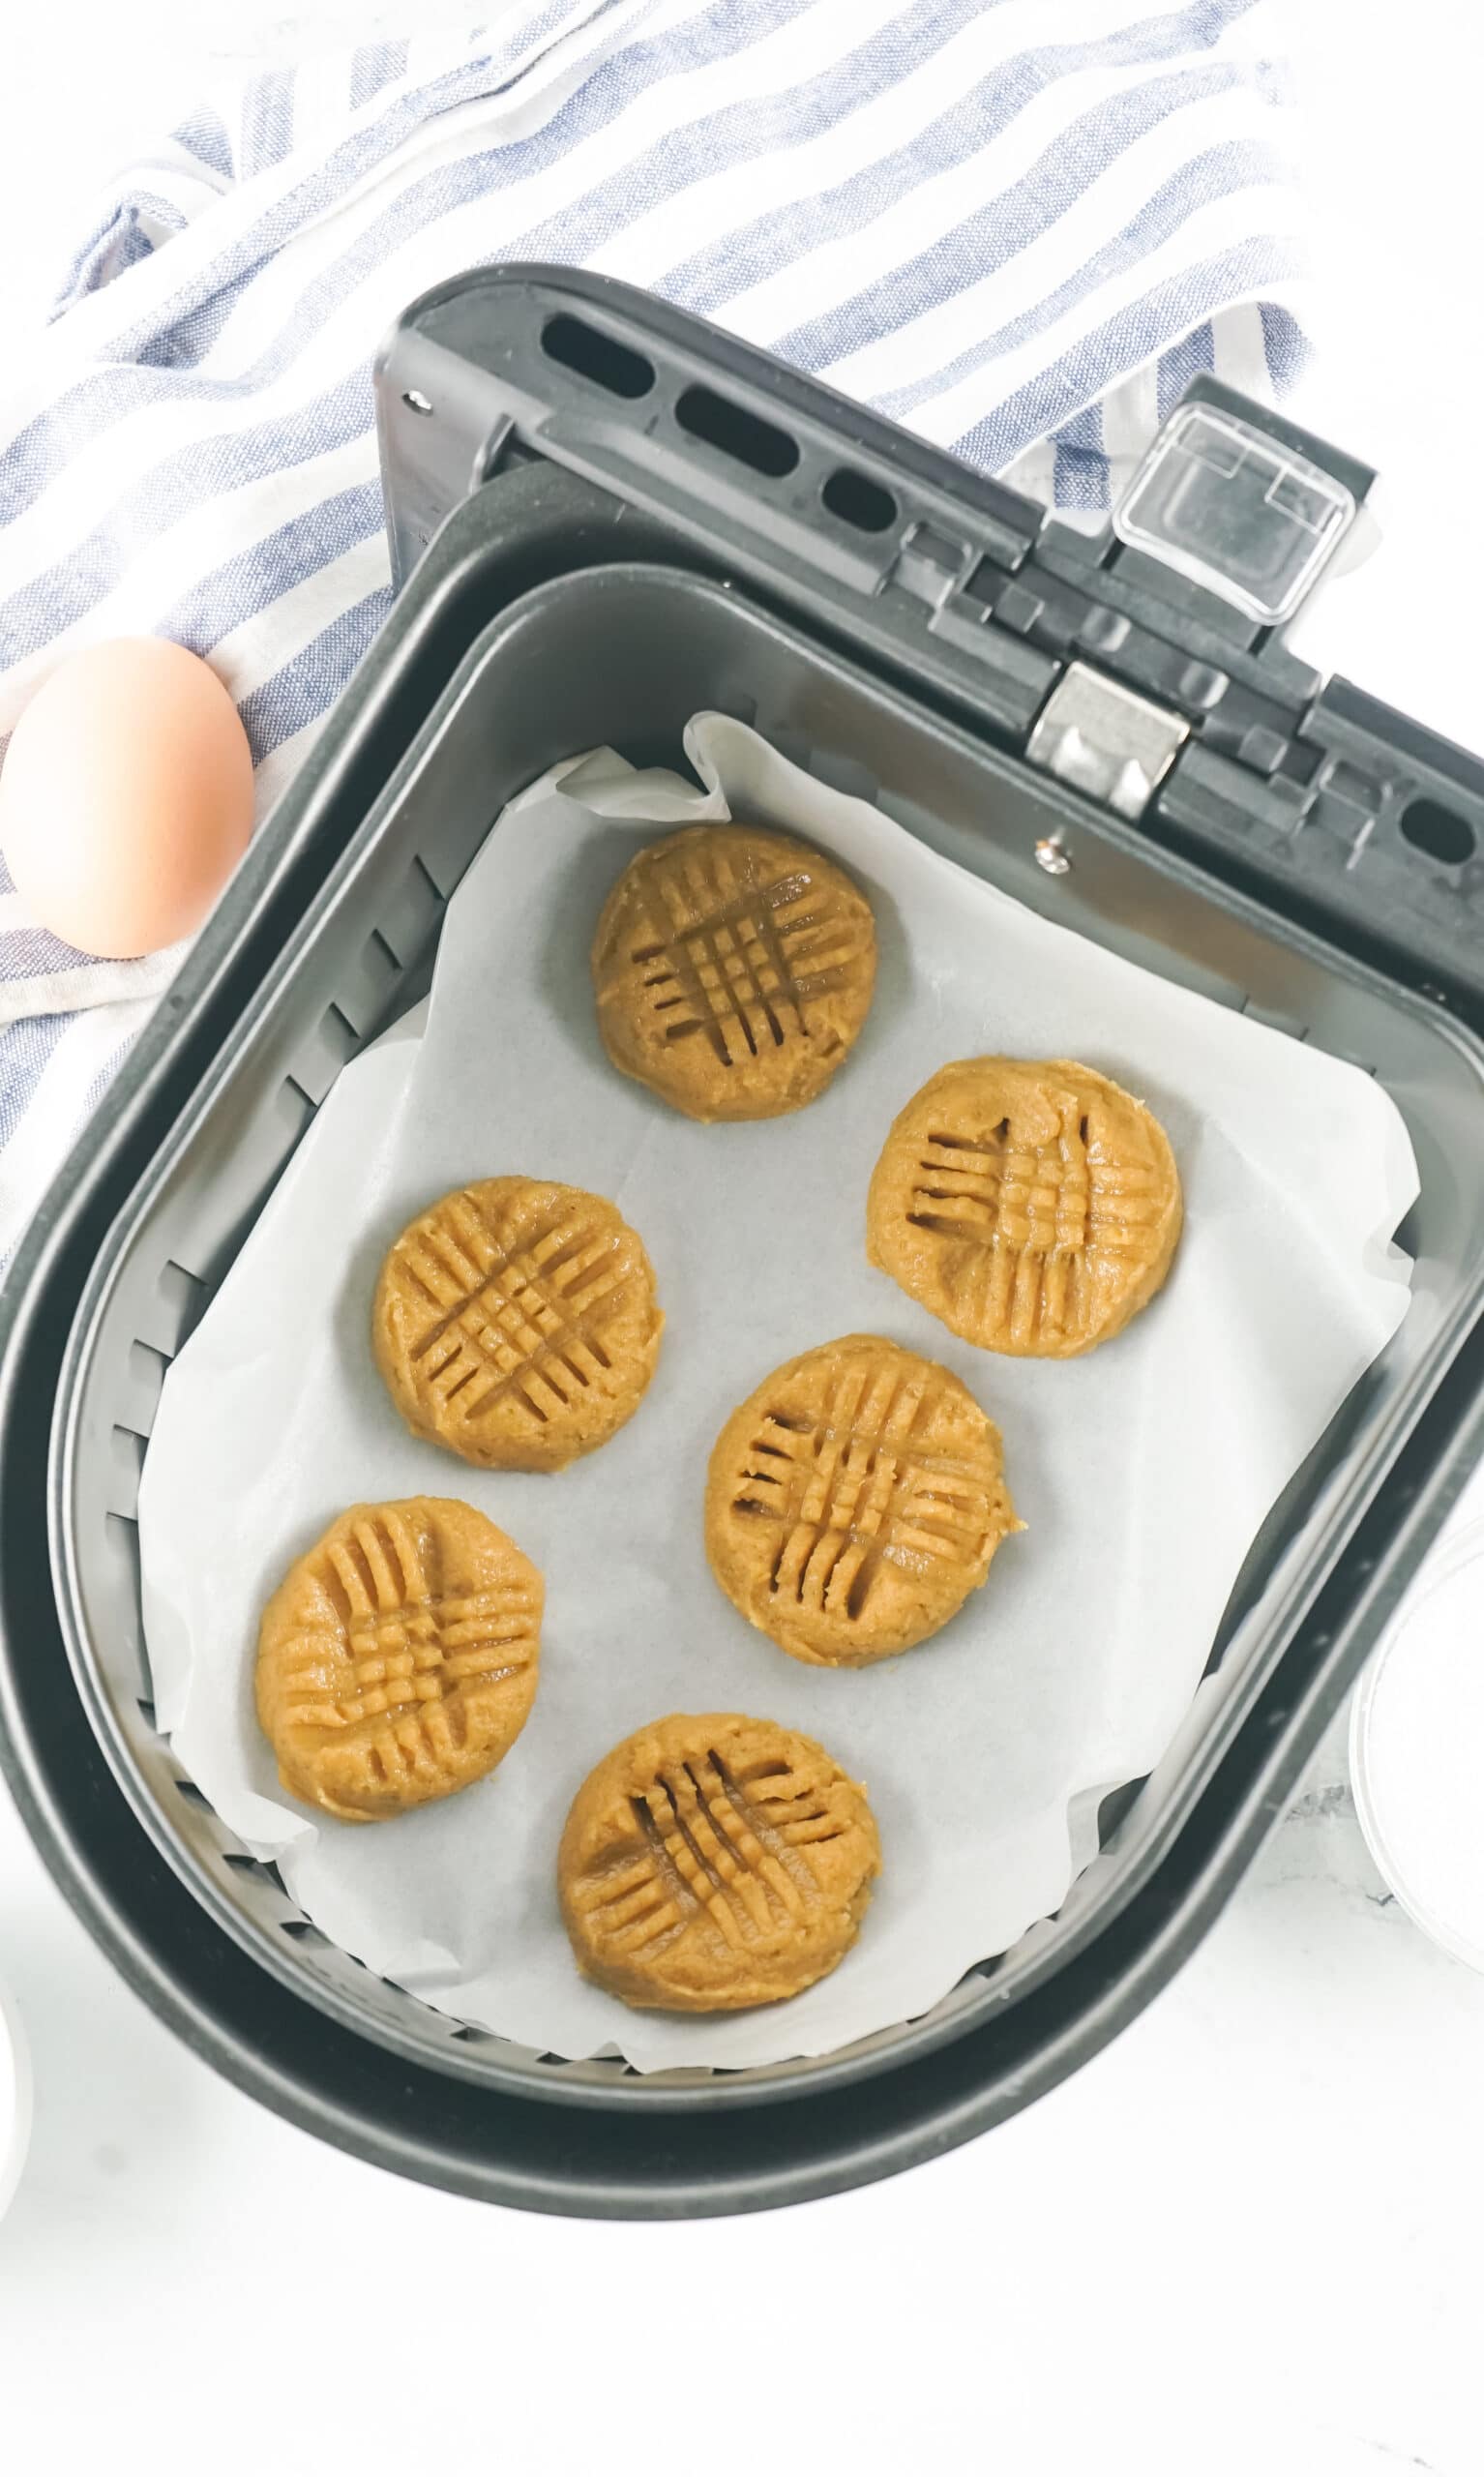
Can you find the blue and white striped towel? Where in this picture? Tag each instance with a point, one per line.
(1017, 226)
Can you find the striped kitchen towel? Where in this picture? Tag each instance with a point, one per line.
(1017, 225)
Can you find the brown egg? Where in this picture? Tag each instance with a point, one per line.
(126, 797)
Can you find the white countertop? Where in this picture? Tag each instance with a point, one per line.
(1246, 2239)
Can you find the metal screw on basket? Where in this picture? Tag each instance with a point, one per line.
(1052, 856)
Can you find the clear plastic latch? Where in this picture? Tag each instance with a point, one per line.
(1235, 511)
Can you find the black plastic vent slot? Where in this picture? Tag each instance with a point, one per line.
(857, 502)
(738, 433)
(597, 356)
(983, 582)
(1443, 835)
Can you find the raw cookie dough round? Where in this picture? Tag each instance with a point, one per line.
(1032, 1205)
(515, 1323)
(854, 1501)
(733, 969)
(397, 1661)
(715, 1862)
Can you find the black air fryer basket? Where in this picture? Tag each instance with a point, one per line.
(605, 517)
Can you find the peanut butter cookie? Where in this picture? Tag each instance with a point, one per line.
(1033, 1206)
(713, 1863)
(397, 1661)
(734, 969)
(854, 1501)
(515, 1323)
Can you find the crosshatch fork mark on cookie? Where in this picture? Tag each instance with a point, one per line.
(860, 1486)
(707, 1839)
(738, 961)
(405, 1649)
(523, 1319)
(1029, 1214)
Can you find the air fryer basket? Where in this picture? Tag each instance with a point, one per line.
(549, 678)
(525, 636)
